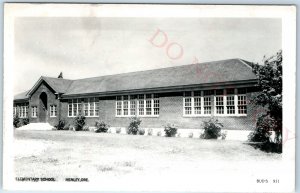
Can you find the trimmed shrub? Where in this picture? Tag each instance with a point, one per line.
(86, 128)
(60, 124)
(212, 129)
(224, 135)
(25, 121)
(79, 122)
(101, 127)
(118, 130)
(149, 131)
(66, 127)
(191, 135)
(170, 130)
(134, 125)
(141, 131)
(16, 122)
(158, 133)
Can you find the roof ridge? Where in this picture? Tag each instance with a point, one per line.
(170, 67)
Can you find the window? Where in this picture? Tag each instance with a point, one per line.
(91, 107)
(15, 111)
(242, 101)
(74, 107)
(53, 110)
(22, 111)
(226, 102)
(140, 105)
(34, 111)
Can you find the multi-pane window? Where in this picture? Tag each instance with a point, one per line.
(74, 107)
(34, 111)
(187, 103)
(119, 105)
(91, 107)
(53, 110)
(219, 105)
(156, 104)
(226, 102)
(15, 111)
(140, 105)
(22, 111)
(133, 104)
(230, 104)
(242, 101)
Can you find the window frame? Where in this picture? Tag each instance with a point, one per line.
(53, 110)
(213, 107)
(34, 111)
(140, 102)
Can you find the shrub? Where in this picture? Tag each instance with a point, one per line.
(86, 128)
(118, 130)
(212, 129)
(141, 131)
(170, 130)
(60, 124)
(72, 128)
(66, 127)
(17, 121)
(79, 122)
(262, 132)
(178, 134)
(191, 135)
(25, 121)
(134, 125)
(158, 133)
(109, 131)
(149, 131)
(224, 135)
(101, 127)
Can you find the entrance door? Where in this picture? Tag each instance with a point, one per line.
(43, 107)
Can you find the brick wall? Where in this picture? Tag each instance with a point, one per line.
(35, 101)
(171, 111)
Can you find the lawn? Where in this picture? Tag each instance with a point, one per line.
(134, 162)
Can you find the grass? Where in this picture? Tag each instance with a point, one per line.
(120, 158)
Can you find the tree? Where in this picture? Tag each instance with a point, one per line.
(270, 83)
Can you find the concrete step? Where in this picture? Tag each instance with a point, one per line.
(37, 127)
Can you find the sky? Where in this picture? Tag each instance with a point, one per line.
(89, 47)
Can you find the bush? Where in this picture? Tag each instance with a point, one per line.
(178, 134)
(60, 124)
(25, 121)
(191, 135)
(134, 125)
(212, 129)
(262, 132)
(149, 131)
(158, 133)
(170, 130)
(86, 128)
(118, 130)
(71, 128)
(141, 131)
(224, 135)
(101, 127)
(66, 127)
(79, 122)
(17, 121)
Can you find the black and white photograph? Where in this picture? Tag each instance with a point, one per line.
(125, 97)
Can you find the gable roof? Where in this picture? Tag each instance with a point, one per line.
(59, 85)
(224, 71)
(194, 74)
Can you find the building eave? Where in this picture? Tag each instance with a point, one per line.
(179, 88)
